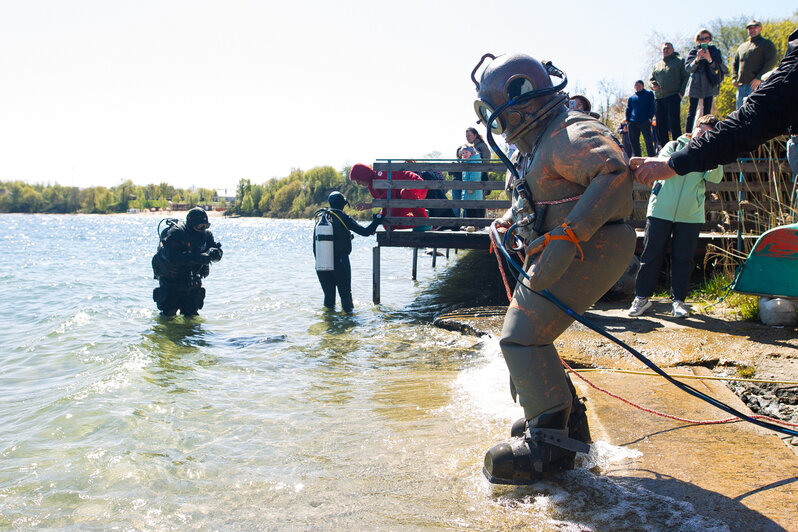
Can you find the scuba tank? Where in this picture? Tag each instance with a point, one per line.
(160, 266)
(323, 244)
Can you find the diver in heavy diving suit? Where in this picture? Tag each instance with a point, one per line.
(570, 201)
(183, 258)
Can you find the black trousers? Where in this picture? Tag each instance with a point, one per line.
(635, 129)
(667, 113)
(688, 126)
(340, 277)
(171, 297)
(684, 239)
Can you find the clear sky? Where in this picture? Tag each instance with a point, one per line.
(205, 92)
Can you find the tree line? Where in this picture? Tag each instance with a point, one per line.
(20, 197)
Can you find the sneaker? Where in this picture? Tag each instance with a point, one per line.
(639, 306)
(680, 310)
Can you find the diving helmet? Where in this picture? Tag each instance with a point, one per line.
(516, 95)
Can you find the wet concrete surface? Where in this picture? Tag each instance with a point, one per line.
(738, 473)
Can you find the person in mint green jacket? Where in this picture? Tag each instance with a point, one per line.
(676, 213)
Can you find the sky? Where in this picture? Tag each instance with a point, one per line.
(203, 93)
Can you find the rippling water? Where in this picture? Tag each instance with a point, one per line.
(266, 412)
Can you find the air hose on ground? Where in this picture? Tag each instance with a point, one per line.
(498, 242)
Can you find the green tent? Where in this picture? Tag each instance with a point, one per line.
(771, 268)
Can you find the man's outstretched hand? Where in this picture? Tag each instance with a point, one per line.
(650, 169)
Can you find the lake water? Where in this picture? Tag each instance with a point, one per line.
(266, 412)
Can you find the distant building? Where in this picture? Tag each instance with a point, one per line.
(226, 194)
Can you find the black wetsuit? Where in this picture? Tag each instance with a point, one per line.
(187, 253)
(341, 276)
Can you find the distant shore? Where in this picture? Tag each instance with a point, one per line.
(167, 214)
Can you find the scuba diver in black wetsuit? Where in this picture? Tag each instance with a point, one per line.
(332, 244)
(182, 260)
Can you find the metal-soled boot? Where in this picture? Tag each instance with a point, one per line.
(542, 450)
(578, 427)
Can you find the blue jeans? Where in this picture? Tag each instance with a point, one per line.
(743, 91)
(683, 239)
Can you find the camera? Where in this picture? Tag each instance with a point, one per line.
(704, 46)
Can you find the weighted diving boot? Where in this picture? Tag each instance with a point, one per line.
(578, 427)
(542, 450)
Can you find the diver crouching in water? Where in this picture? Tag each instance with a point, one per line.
(183, 258)
(570, 201)
(332, 244)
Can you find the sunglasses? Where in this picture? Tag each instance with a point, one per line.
(702, 39)
(202, 227)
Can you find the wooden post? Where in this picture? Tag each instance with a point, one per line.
(415, 262)
(434, 256)
(447, 253)
(375, 275)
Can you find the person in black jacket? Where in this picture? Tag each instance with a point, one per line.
(341, 276)
(182, 261)
(706, 67)
(771, 110)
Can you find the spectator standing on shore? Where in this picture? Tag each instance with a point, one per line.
(469, 153)
(768, 112)
(705, 65)
(668, 80)
(580, 103)
(475, 139)
(640, 110)
(457, 193)
(675, 213)
(754, 57)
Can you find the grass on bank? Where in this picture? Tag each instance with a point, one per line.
(714, 292)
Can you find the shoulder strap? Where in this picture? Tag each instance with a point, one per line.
(339, 219)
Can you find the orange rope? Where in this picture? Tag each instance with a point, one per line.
(569, 236)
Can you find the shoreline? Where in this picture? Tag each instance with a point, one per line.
(717, 341)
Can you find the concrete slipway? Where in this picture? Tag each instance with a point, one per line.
(738, 473)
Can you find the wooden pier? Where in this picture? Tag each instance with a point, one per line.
(734, 207)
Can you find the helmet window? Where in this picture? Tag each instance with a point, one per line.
(483, 112)
(519, 86)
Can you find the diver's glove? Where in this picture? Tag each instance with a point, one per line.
(215, 254)
(375, 222)
(559, 248)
